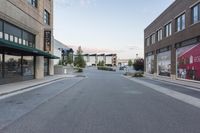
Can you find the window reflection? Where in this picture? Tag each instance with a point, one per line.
(17, 35)
(28, 66)
(12, 66)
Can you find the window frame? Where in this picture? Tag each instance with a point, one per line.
(168, 29)
(198, 13)
(181, 22)
(34, 3)
(153, 38)
(147, 41)
(159, 34)
(46, 17)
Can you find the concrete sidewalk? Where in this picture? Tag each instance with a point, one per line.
(20, 86)
(186, 83)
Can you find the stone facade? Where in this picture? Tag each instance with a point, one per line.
(24, 15)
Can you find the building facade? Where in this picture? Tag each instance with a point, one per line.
(172, 42)
(26, 44)
(111, 60)
(95, 59)
(62, 51)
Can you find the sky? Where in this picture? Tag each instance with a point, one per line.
(106, 26)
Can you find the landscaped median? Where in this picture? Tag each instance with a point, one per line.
(105, 68)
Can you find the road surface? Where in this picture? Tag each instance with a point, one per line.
(103, 102)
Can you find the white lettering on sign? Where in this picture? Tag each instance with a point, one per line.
(197, 59)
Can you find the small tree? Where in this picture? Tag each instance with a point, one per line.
(79, 60)
(101, 63)
(69, 59)
(139, 64)
(130, 63)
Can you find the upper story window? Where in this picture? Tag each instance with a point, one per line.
(17, 35)
(28, 39)
(180, 23)
(168, 29)
(159, 35)
(46, 17)
(147, 41)
(196, 13)
(33, 2)
(153, 38)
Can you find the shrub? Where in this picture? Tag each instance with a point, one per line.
(105, 68)
(78, 69)
(138, 74)
(139, 64)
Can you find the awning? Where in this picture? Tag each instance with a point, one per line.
(33, 51)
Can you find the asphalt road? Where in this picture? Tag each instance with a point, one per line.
(104, 102)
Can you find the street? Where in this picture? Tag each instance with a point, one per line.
(101, 102)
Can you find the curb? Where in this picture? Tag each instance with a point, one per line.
(25, 88)
(174, 83)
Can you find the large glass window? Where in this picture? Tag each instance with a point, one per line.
(28, 65)
(168, 29)
(164, 63)
(17, 35)
(28, 39)
(150, 64)
(180, 23)
(196, 13)
(12, 33)
(1, 62)
(46, 17)
(188, 62)
(12, 66)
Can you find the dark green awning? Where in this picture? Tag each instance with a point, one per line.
(28, 49)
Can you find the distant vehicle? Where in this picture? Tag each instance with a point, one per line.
(122, 67)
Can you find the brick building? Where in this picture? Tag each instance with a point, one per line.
(172, 42)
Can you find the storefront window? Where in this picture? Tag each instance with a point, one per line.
(46, 66)
(150, 64)
(188, 62)
(28, 65)
(12, 66)
(164, 63)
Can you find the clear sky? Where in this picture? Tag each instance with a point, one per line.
(111, 26)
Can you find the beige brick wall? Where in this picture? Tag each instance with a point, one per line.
(24, 15)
